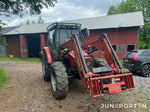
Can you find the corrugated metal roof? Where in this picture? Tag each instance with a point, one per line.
(8, 29)
(101, 22)
(112, 21)
(29, 29)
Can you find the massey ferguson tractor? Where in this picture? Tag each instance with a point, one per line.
(69, 55)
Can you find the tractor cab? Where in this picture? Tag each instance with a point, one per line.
(58, 33)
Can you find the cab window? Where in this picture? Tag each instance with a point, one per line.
(63, 34)
(50, 36)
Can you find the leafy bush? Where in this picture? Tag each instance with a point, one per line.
(3, 40)
(3, 77)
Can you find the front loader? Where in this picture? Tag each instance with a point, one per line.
(69, 55)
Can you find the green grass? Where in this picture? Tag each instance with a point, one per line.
(3, 77)
(19, 59)
(121, 61)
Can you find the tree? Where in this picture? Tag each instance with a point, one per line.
(20, 7)
(127, 6)
(132, 6)
(27, 22)
(113, 10)
(144, 37)
(38, 21)
(2, 40)
(144, 6)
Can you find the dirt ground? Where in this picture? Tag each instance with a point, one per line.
(26, 91)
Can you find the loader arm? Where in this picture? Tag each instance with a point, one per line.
(72, 44)
(93, 82)
(102, 44)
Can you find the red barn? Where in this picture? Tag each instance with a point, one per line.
(122, 30)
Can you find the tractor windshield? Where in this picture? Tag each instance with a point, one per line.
(64, 34)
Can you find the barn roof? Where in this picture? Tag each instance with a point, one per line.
(102, 22)
(8, 29)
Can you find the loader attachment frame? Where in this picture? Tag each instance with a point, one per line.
(93, 82)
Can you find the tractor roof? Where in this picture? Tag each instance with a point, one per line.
(64, 25)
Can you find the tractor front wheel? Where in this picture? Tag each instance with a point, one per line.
(59, 80)
(45, 68)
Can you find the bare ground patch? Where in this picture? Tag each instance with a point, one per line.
(26, 91)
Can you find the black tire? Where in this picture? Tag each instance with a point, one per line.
(45, 67)
(145, 71)
(100, 62)
(59, 80)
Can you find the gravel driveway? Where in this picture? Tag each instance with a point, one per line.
(26, 91)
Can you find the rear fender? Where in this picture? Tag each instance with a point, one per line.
(145, 63)
(48, 54)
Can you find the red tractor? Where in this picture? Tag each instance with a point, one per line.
(69, 55)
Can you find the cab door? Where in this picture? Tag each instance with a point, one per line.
(53, 43)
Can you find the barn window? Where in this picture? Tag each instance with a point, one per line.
(121, 48)
(130, 48)
(114, 47)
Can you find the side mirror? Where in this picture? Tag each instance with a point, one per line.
(86, 32)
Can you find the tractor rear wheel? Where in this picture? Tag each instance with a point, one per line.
(45, 68)
(59, 80)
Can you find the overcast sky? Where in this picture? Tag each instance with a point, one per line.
(67, 10)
